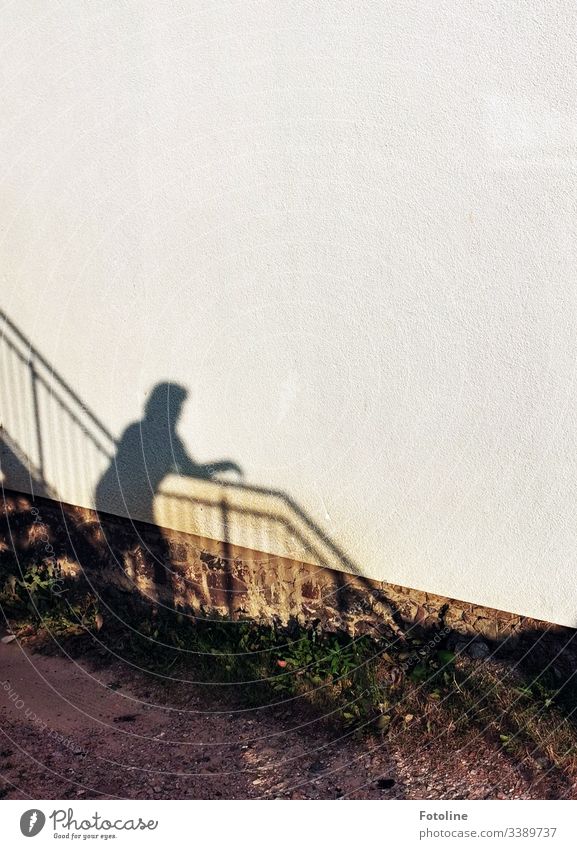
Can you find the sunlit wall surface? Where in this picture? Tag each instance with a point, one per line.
(348, 231)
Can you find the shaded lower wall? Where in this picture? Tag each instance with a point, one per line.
(208, 577)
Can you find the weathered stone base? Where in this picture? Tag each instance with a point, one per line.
(208, 577)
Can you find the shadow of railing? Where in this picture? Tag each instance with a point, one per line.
(44, 426)
(52, 444)
(256, 518)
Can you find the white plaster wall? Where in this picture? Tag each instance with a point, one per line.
(348, 229)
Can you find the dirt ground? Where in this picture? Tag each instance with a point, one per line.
(70, 730)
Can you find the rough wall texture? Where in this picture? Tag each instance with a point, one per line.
(214, 578)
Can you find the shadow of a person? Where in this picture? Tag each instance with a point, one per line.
(148, 451)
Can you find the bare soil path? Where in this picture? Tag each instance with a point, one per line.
(70, 730)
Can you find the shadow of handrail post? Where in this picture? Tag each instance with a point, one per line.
(35, 401)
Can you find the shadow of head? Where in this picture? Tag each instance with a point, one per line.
(164, 406)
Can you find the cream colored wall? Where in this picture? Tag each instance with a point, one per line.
(348, 230)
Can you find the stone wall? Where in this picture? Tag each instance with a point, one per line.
(213, 578)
